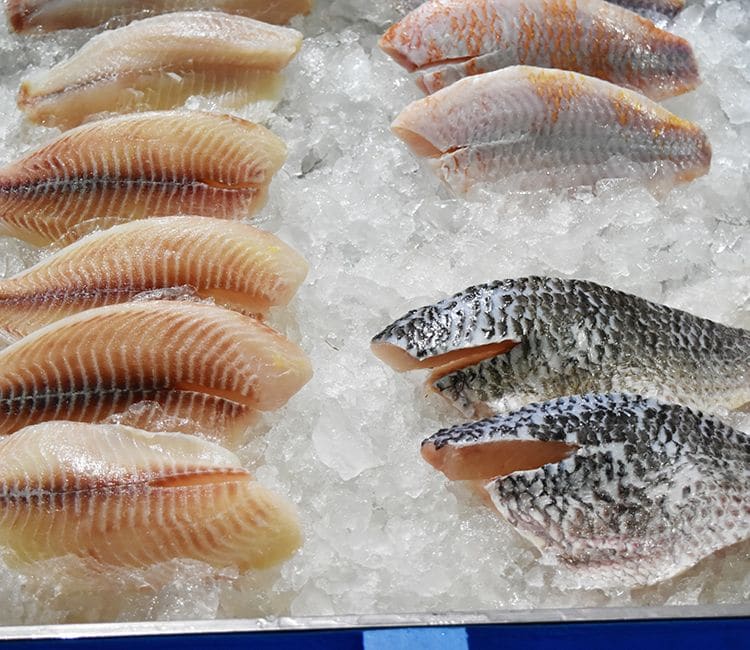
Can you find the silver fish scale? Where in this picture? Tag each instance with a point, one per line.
(576, 337)
(653, 488)
(465, 320)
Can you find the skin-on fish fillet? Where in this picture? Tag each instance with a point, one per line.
(131, 498)
(197, 362)
(495, 347)
(536, 127)
(48, 15)
(159, 62)
(448, 40)
(626, 491)
(136, 166)
(231, 262)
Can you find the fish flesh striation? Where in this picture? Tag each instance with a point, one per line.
(627, 491)
(131, 498)
(158, 63)
(188, 361)
(136, 166)
(535, 126)
(230, 262)
(49, 15)
(495, 347)
(448, 40)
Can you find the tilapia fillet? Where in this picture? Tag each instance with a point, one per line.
(136, 166)
(448, 40)
(48, 15)
(495, 347)
(536, 127)
(235, 264)
(127, 497)
(627, 491)
(196, 362)
(159, 62)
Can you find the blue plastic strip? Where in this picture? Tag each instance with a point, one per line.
(416, 638)
(696, 634)
(693, 634)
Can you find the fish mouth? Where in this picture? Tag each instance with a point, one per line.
(494, 459)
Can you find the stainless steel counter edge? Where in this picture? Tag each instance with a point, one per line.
(72, 631)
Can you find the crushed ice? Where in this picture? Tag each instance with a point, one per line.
(384, 533)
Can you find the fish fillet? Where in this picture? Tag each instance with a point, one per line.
(48, 15)
(136, 166)
(535, 127)
(642, 491)
(202, 363)
(132, 498)
(235, 264)
(495, 347)
(451, 39)
(159, 62)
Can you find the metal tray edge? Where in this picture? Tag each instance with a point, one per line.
(224, 626)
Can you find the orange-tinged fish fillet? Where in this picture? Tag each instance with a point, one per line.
(135, 166)
(131, 498)
(48, 15)
(159, 62)
(196, 361)
(451, 39)
(535, 127)
(235, 264)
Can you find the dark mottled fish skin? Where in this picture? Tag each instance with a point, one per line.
(575, 337)
(653, 8)
(652, 490)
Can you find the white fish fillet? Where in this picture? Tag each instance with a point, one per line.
(157, 63)
(48, 15)
(451, 39)
(231, 262)
(536, 126)
(136, 166)
(127, 497)
(196, 361)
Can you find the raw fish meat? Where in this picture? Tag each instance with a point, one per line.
(624, 490)
(448, 40)
(132, 498)
(159, 62)
(233, 263)
(495, 347)
(136, 166)
(535, 127)
(25, 15)
(204, 364)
